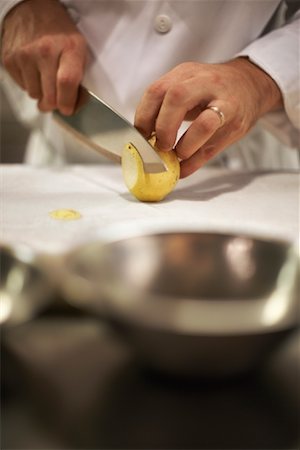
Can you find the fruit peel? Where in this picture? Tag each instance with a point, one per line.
(149, 187)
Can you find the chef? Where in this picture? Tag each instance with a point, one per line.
(204, 75)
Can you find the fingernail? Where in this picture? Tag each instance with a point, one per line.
(66, 111)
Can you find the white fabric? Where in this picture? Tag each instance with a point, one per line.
(129, 54)
(278, 53)
(264, 204)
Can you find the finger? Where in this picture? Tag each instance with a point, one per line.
(82, 98)
(148, 108)
(209, 151)
(200, 131)
(32, 81)
(69, 77)
(174, 108)
(48, 99)
(48, 64)
(29, 72)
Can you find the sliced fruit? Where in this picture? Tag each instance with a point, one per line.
(65, 214)
(149, 187)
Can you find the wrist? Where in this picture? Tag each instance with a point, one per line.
(268, 95)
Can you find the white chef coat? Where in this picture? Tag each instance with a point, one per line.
(134, 42)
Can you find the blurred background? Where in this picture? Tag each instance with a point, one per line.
(13, 135)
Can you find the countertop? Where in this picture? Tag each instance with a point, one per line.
(263, 203)
(68, 382)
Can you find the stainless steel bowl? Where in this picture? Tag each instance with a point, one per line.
(25, 289)
(190, 303)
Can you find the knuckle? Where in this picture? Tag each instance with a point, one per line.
(157, 90)
(177, 94)
(45, 48)
(216, 78)
(77, 41)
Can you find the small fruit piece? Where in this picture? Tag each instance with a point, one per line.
(149, 187)
(65, 214)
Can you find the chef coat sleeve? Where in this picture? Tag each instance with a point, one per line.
(278, 54)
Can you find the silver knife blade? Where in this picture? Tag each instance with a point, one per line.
(106, 131)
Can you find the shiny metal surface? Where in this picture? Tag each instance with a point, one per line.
(190, 303)
(104, 130)
(25, 290)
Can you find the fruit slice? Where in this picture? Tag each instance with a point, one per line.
(65, 214)
(149, 187)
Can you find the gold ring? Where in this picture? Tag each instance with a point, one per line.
(219, 112)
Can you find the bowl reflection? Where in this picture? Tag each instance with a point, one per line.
(25, 289)
(190, 302)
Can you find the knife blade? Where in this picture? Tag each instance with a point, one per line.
(103, 129)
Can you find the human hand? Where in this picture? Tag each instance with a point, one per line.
(240, 90)
(44, 53)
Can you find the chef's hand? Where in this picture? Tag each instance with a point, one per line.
(44, 53)
(240, 91)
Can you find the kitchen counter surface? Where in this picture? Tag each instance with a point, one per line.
(68, 382)
(264, 203)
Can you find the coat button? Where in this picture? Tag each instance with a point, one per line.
(162, 23)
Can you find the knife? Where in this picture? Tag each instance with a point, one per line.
(106, 131)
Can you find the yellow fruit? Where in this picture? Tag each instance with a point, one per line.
(149, 187)
(65, 214)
